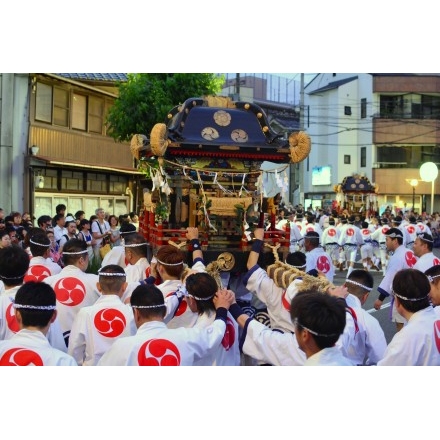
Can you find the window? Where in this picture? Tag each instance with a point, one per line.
(363, 108)
(60, 107)
(363, 157)
(43, 103)
(347, 110)
(79, 112)
(118, 184)
(96, 182)
(71, 180)
(96, 114)
(347, 159)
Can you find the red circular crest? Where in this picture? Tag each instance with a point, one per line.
(323, 264)
(350, 232)
(410, 259)
(37, 273)
(229, 337)
(20, 357)
(421, 226)
(435, 262)
(385, 229)
(182, 307)
(332, 232)
(437, 334)
(365, 232)
(158, 353)
(310, 229)
(110, 322)
(411, 229)
(70, 291)
(11, 320)
(299, 227)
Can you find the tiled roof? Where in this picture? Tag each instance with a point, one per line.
(333, 85)
(105, 77)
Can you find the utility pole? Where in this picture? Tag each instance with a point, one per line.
(300, 173)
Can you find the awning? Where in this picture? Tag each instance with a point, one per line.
(58, 162)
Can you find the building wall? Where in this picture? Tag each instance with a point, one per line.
(334, 134)
(14, 117)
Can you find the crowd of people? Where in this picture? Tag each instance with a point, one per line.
(64, 301)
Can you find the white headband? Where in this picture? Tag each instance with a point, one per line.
(38, 244)
(134, 245)
(201, 299)
(411, 299)
(169, 264)
(112, 274)
(27, 306)
(431, 277)
(147, 307)
(75, 253)
(359, 284)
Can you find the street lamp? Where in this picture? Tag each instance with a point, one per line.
(413, 183)
(428, 173)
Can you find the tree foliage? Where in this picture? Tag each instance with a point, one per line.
(146, 98)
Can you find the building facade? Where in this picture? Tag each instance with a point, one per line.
(381, 126)
(55, 148)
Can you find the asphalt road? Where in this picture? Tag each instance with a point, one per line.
(382, 315)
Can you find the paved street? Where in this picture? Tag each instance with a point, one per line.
(382, 315)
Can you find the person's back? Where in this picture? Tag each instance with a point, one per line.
(40, 265)
(73, 287)
(169, 267)
(35, 311)
(157, 345)
(417, 343)
(135, 247)
(363, 340)
(316, 258)
(96, 327)
(201, 289)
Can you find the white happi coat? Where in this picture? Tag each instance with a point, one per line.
(115, 256)
(9, 324)
(40, 268)
(363, 337)
(270, 346)
(402, 258)
(137, 272)
(31, 348)
(319, 259)
(228, 352)
(156, 345)
(74, 289)
(418, 343)
(278, 306)
(328, 357)
(96, 327)
(426, 261)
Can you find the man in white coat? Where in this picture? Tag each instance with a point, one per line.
(73, 287)
(402, 258)
(41, 265)
(418, 343)
(157, 345)
(14, 263)
(363, 340)
(96, 327)
(35, 311)
(422, 248)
